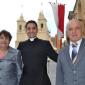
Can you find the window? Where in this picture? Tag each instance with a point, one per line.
(20, 27)
(79, 7)
(41, 25)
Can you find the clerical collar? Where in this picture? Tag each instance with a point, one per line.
(32, 39)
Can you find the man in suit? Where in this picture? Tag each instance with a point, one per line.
(71, 59)
(34, 55)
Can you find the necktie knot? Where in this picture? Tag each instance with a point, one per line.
(74, 45)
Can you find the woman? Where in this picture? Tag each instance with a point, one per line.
(10, 61)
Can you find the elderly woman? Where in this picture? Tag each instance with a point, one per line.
(10, 61)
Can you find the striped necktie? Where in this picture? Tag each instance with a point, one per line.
(74, 51)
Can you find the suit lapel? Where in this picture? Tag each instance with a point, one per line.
(79, 56)
(80, 52)
(67, 55)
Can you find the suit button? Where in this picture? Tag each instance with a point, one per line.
(74, 72)
(75, 80)
(0, 69)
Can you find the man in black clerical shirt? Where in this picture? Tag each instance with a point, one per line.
(35, 53)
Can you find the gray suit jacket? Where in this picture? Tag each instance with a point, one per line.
(10, 68)
(68, 73)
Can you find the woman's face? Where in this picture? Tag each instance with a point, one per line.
(4, 41)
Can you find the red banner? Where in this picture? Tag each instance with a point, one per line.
(61, 10)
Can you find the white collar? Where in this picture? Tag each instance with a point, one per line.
(32, 39)
(78, 42)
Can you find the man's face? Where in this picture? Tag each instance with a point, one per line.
(74, 32)
(31, 30)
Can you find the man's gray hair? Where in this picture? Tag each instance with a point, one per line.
(69, 23)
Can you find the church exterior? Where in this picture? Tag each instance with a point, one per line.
(79, 13)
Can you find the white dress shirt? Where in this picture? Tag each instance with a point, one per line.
(77, 48)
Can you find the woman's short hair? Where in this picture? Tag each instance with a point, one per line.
(6, 34)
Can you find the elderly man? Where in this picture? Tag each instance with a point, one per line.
(71, 60)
